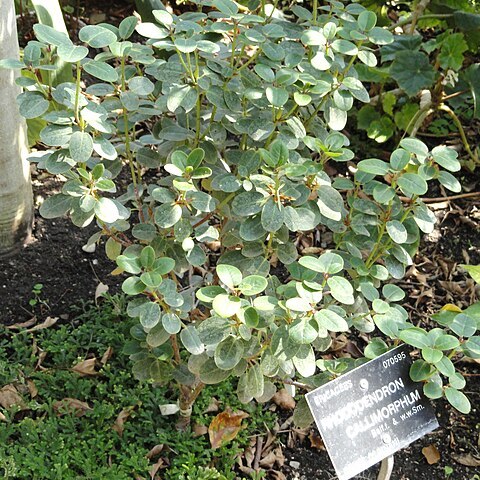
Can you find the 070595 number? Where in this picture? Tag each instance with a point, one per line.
(395, 359)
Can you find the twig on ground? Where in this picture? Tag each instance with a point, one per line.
(258, 453)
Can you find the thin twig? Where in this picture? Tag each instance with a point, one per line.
(295, 384)
(443, 199)
(258, 453)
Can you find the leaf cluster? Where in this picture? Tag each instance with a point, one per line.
(226, 121)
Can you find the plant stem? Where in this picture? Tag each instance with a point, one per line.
(444, 199)
(427, 16)
(417, 120)
(198, 117)
(176, 349)
(315, 112)
(420, 8)
(459, 125)
(234, 45)
(372, 257)
(249, 61)
(77, 96)
(211, 214)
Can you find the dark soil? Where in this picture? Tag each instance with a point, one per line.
(54, 258)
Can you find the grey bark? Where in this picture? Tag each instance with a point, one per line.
(16, 199)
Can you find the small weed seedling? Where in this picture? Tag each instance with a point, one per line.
(36, 300)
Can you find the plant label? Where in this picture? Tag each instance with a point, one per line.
(371, 412)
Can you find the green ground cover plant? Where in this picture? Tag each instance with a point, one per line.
(226, 120)
(40, 439)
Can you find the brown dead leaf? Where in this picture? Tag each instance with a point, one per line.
(40, 360)
(225, 427)
(86, 368)
(199, 430)
(155, 451)
(312, 250)
(246, 470)
(32, 389)
(284, 400)
(468, 460)
(276, 475)
(9, 397)
(213, 406)
(71, 406)
(214, 246)
(316, 441)
(279, 457)
(119, 425)
(19, 326)
(431, 453)
(99, 291)
(49, 321)
(106, 356)
(456, 288)
(249, 455)
(452, 442)
(156, 467)
(339, 343)
(268, 461)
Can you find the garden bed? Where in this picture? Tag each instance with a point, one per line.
(48, 259)
(83, 415)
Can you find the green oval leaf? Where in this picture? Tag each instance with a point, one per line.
(97, 36)
(228, 353)
(458, 400)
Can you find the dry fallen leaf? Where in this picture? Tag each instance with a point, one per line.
(284, 400)
(99, 291)
(106, 356)
(280, 458)
(40, 360)
(32, 389)
(199, 430)
(48, 322)
(119, 425)
(3, 418)
(9, 397)
(155, 451)
(316, 441)
(312, 250)
(268, 461)
(155, 468)
(431, 453)
(212, 406)
(18, 326)
(71, 406)
(86, 368)
(468, 460)
(276, 475)
(225, 427)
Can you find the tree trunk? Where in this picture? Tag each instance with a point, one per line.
(16, 200)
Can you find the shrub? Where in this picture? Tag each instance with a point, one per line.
(228, 121)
